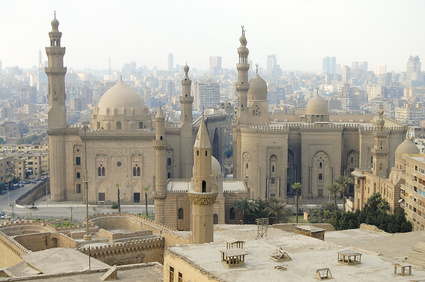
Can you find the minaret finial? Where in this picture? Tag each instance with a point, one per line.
(317, 90)
(256, 68)
(243, 29)
(54, 13)
(121, 78)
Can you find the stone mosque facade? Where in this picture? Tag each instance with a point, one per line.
(272, 152)
(118, 142)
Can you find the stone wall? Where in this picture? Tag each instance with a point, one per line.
(139, 251)
(10, 251)
(289, 227)
(43, 241)
(35, 193)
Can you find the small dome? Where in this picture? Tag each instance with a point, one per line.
(215, 167)
(257, 88)
(121, 97)
(406, 147)
(317, 106)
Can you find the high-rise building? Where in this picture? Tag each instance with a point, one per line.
(206, 94)
(355, 65)
(363, 66)
(329, 65)
(346, 74)
(215, 65)
(170, 62)
(414, 68)
(380, 69)
(271, 63)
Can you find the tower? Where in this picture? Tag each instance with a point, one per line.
(202, 196)
(186, 142)
(380, 147)
(242, 86)
(160, 146)
(56, 96)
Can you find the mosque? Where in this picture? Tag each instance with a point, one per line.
(122, 149)
(271, 152)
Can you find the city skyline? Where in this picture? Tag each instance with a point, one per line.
(299, 33)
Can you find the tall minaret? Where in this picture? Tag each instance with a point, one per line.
(242, 85)
(202, 196)
(380, 147)
(160, 146)
(56, 113)
(186, 131)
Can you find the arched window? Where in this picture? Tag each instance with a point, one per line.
(371, 162)
(215, 219)
(138, 171)
(78, 175)
(204, 186)
(118, 125)
(272, 168)
(134, 171)
(232, 213)
(352, 159)
(180, 213)
(99, 171)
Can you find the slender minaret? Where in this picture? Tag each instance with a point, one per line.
(56, 113)
(160, 146)
(202, 196)
(380, 147)
(242, 85)
(186, 130)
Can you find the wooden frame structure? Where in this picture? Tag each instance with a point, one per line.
(323, 273)
(280, 255)
(233, 257)
(349, 257)
(234, 244)
(405, 269)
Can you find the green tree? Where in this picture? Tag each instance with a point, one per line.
(245, 207)
(297, 186)
(344, 181)
(275, 206)
(334, 189)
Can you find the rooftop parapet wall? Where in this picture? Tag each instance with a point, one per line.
(152, 225)
(12, 245)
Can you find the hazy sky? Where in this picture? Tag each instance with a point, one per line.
(299, 32)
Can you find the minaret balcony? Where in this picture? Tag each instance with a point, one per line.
(379, 151)
(202, 199)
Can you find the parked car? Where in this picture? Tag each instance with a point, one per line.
(3, 192)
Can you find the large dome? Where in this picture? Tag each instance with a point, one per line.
(123, 98)
(257, 88)
(317, 106)
(406, 147)
(215, 167)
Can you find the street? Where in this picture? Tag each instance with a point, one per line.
(50, 210)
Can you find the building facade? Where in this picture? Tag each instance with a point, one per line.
(271, 152)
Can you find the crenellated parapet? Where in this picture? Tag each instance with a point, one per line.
(160, 144)
(119, 249)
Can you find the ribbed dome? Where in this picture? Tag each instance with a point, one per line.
(121, 96)
(215, 167)
(406, 147)
(257, 88)
(317, 106)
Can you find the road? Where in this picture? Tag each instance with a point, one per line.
(48, 210)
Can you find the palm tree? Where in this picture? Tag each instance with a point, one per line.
(297, 186)
(275, 206)
(245, 207)
(344, 181)
(334, 189)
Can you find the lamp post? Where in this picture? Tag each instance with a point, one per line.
(87, 236)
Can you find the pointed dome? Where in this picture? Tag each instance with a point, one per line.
(406, 147)
(55, 22)
(317, 106)
(257, 88)
(202, 139)
(123, 98)
(160, 113)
